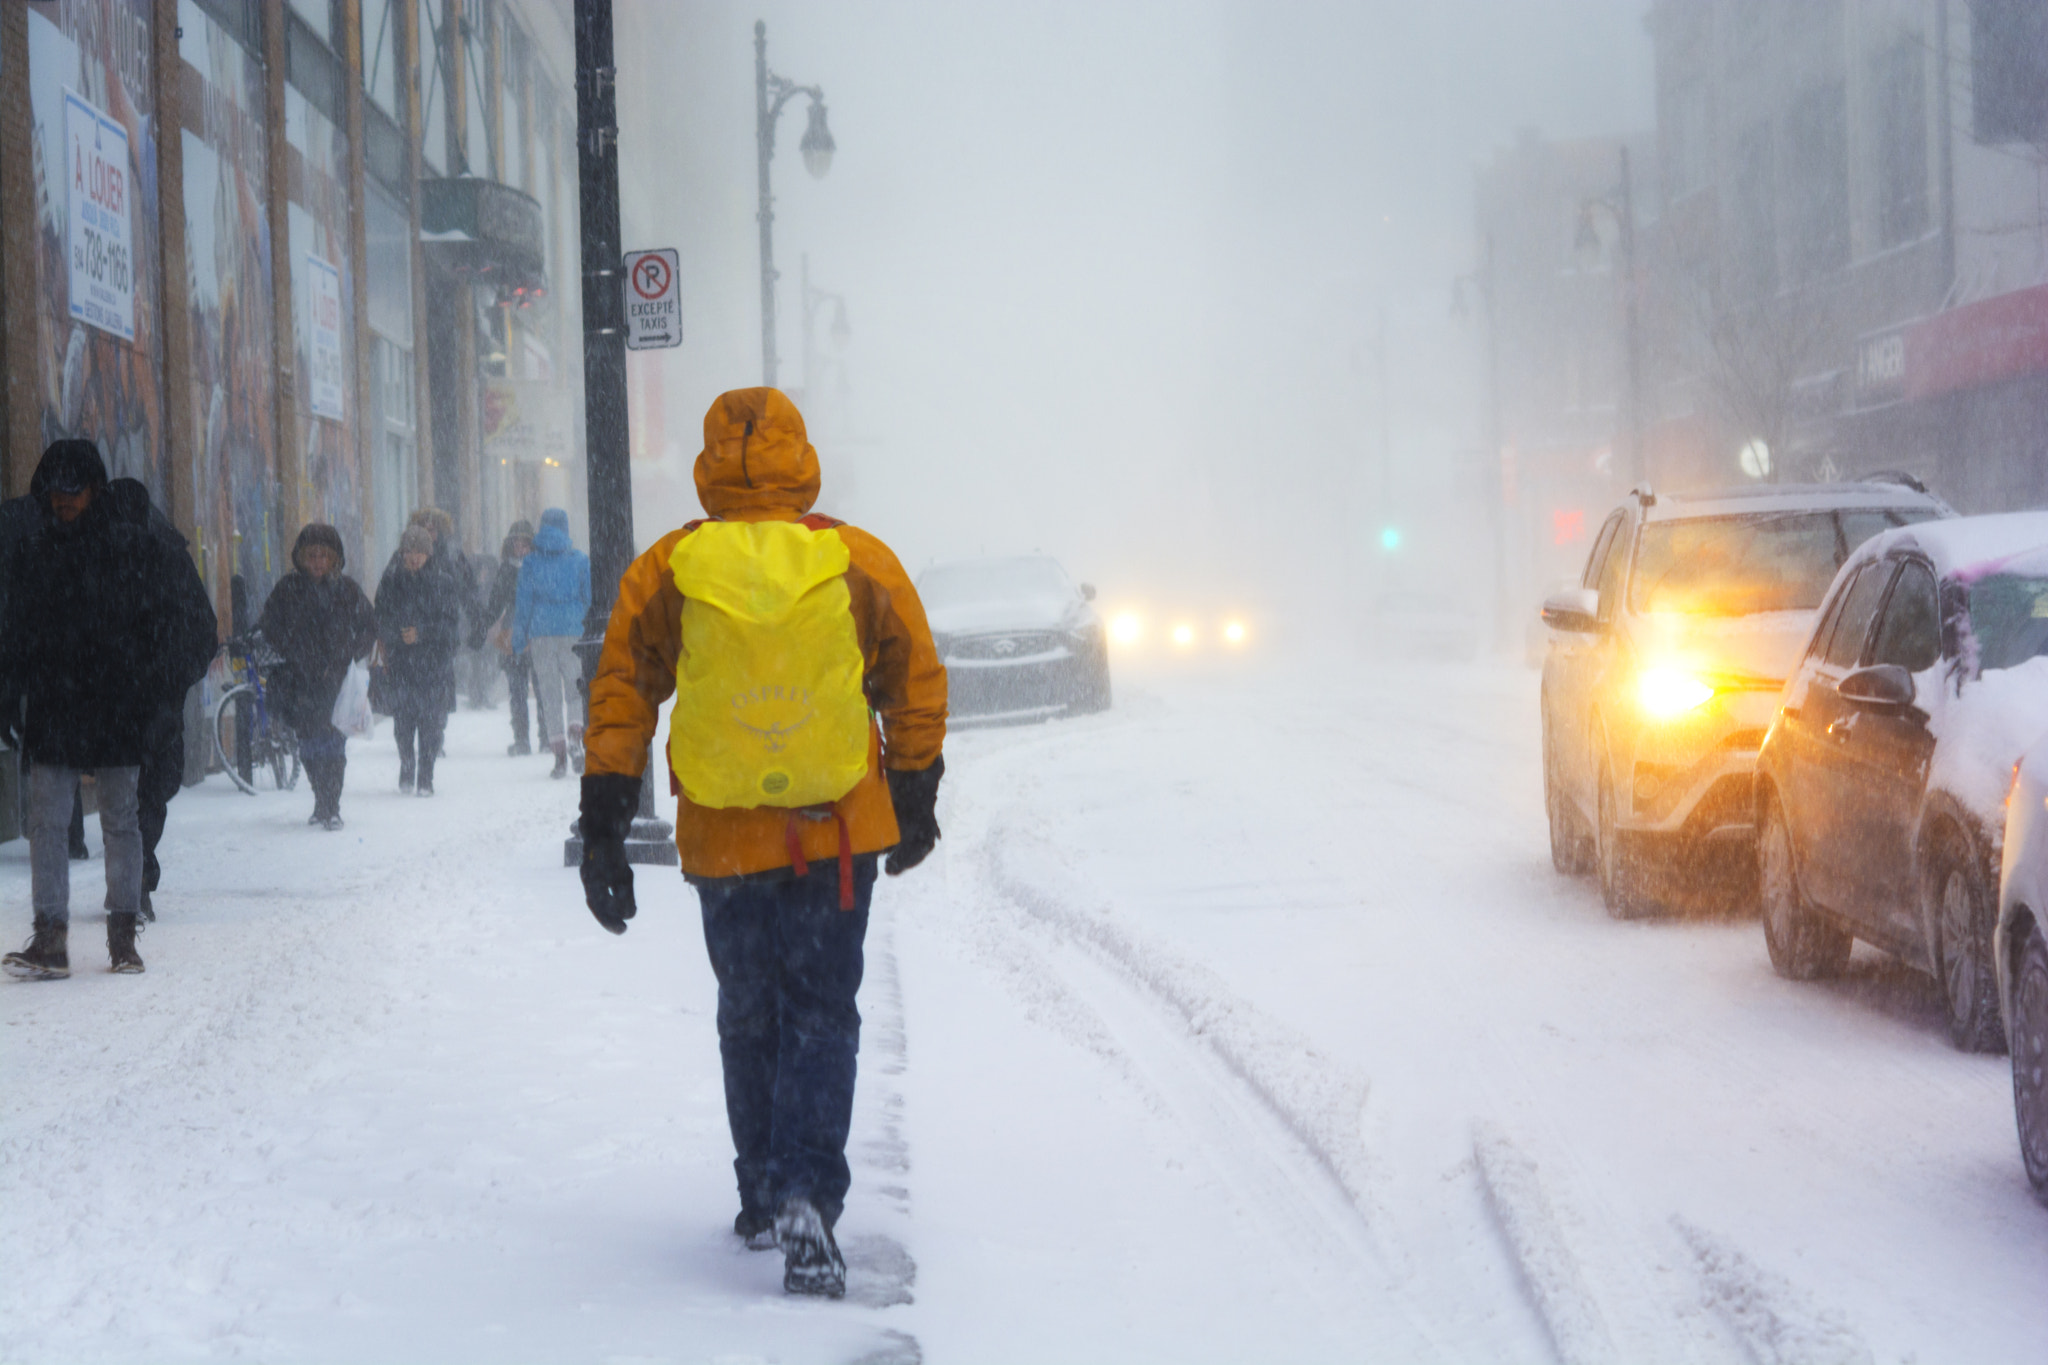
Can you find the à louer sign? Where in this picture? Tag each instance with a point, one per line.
(102, 275)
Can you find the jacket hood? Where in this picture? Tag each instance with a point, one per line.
(128, 500)
(756, 456)
(319, 533)
(74, 464)
(553, 536)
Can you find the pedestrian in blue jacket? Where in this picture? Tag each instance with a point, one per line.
(547, 619)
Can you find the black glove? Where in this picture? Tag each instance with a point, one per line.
(915, 797)
(609, 801)
(12, 719)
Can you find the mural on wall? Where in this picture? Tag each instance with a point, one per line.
(234, 470)
(98, 329)
(322, 277)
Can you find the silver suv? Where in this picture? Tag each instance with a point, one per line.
(1665, 665)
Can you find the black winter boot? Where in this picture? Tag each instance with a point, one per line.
(756, 1229)
(44, 959)
(811, 1263)
(121, 945)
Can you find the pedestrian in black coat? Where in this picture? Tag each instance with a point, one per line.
(419, 626)
(319, 620)
(163, 767)
(20, 518)
(95, 639)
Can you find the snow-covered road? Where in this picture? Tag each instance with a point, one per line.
(1247, 1021)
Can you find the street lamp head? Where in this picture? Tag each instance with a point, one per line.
(841, 333)
(817, 145)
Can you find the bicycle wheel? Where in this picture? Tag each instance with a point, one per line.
(234, 724)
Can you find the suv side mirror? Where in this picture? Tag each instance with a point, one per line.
(1573, 609)
(1880, 687)
(1087, 592)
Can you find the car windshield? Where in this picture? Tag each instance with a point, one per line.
(2009, 618)
(1738, 566)
(992, 580)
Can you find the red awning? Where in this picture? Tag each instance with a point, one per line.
(1977, 344)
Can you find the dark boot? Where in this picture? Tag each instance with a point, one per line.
(406, 771)
(756, 1229)
(561, 748)
(427, 757)
(44, 959)
(121, 945)
(145, 910)
(811, 1263)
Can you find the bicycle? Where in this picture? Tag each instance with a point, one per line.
(256, 749)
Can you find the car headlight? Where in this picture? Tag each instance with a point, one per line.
(1127, 627)
(1233, 633)
(1666, 693)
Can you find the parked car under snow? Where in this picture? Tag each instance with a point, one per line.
(1881, 784)
(2022, 954)
(1019, 639)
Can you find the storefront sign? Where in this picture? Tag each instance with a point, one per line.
(1880, 368)
(101, 253)
(324, 303)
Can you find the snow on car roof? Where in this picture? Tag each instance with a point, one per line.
(1970, 547)
(1788, 497)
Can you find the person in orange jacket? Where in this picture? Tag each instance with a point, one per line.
(784, 890)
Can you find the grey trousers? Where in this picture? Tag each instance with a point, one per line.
(556, 671)
(50, 791)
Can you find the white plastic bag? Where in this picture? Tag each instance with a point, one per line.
(352, 715)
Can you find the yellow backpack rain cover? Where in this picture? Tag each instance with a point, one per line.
(769, 709)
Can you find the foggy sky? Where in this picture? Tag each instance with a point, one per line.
(1113, 272)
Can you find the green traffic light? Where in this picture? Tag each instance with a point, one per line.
(1390, 538)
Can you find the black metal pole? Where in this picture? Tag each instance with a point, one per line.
(604, 324)
(606, 452)
(1639, 458)
(764, 150)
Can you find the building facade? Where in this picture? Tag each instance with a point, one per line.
(1846, 267)
(294, 260)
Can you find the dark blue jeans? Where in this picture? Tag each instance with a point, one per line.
(788, 962)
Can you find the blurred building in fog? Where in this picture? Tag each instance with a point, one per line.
(294, 260)
(1847, 270)
(1550, 287)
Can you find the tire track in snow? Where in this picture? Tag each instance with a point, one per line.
(1321, 1105)
(1777, 1323)
(1290, 1121)
(1551, 1273)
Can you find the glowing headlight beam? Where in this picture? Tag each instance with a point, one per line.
(1233, 633)
(1666, 693)
(1183, 635)
(1127, 628)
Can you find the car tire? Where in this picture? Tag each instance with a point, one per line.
(1803, 945)
(1095, 693)
(2030, 1059)
(1624, 873)
(1961, 915)
(1571, 845)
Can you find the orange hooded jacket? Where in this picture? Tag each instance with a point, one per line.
(758, 465)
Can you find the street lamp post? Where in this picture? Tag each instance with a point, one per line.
(771, 93)
(1622, 209)
(815, 299)
(1492, 475)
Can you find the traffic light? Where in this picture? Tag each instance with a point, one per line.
(1390, 538)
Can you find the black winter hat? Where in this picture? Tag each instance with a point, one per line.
(68, 466)
(319, 533)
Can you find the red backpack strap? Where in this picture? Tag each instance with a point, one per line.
(818, 521)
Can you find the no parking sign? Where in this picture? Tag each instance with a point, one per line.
(654, 300)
